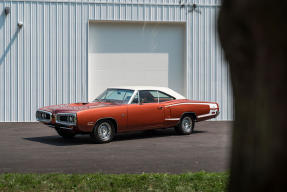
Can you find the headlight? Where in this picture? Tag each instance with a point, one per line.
(66, 118)
(71, 119)
(44, 116)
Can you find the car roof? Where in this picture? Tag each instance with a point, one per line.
(162, 89)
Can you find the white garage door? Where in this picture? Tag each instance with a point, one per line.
(122, 54)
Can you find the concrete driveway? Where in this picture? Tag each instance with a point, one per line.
(33, 147)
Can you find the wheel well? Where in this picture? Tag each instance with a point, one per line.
(110, 119)
(191, 114)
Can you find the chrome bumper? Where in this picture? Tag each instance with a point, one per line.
(218, 112)
(60, 127)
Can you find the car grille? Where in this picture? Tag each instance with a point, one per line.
(44, 116)
(66, 119)
(62, 118)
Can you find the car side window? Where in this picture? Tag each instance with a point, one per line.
(162, 97)
(147, 96)
(136, 99)
(127, 97)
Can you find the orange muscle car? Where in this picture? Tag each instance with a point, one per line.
(123, 109)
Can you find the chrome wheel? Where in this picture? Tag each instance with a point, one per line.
(186, 124)
(105, 131)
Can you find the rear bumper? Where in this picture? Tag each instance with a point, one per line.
(218, 112)
(206, 117)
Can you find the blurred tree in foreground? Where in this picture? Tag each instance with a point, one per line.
(253, 35)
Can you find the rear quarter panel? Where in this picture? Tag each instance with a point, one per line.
(177, 109)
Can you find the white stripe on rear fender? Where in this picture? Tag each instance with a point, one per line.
(211, 105)
(206, 115)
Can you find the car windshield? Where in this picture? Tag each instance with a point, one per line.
(115, 96)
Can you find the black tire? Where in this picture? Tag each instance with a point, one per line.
(67, 134)
(103, 132)
(185, 126)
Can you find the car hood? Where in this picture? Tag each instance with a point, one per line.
(75, 107)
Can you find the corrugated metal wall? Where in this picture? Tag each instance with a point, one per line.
(45, 62)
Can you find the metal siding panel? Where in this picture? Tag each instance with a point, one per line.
(53, 52)
(66, 51)
(165, 12)
(129, 9)
(27, 64)
(147, 13)
(197, 55)
(153, 13)
(72, 54)
(19, 67)
(159, 10)
(110, 12)
(214, 53)
(219, 78)
(201, 57)
(46, 56)
(121, 11)
(75, 54)
(84, 63)
(33, 61)
(14, 58)
(40, 49)
(193, 58)
(134, 15)
(206, 58)
(59, 46)
(140, 12)
(103, 12)
(171, 14)
(78, 54)
(2, 64)
(7, 67)
(188, 51)
(211, 53)
(177, 13)
(93, 10)
(207, 61)
(46, 62)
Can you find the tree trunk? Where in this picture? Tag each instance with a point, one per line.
(253, 35)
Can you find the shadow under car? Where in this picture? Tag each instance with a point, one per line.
(85, 139)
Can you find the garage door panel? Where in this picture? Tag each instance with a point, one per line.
(135, 54)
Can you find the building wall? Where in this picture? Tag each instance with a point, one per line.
(45, 62)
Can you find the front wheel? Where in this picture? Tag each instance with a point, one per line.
(103, 132)
(185, 126)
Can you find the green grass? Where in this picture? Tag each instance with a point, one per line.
(200, 181)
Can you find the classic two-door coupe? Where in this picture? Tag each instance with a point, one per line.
(123, 109)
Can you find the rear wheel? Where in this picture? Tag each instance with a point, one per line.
(103, 132)
(67, 134)
(185, 126)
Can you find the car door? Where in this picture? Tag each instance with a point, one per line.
(145, 111)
